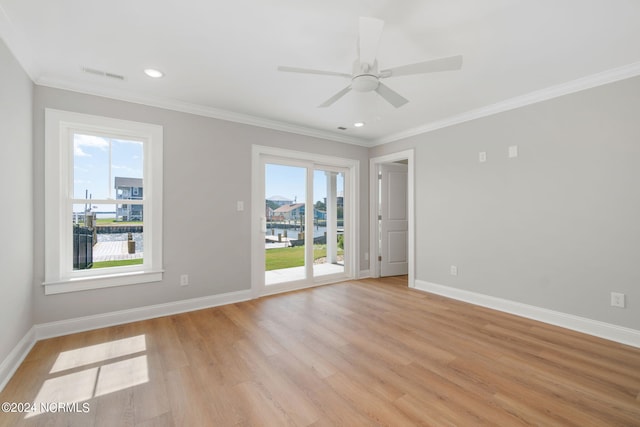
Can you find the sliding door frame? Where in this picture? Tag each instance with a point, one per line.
(312, 161)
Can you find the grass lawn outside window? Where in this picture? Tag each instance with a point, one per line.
(279, 258)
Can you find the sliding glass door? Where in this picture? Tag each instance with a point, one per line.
(304, 222)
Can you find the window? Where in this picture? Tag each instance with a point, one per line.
(92, 240)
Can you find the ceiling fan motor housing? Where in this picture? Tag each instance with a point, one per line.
(365, 76)
(364, 83)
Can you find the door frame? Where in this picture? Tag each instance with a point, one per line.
(351, 215)
(374, 199)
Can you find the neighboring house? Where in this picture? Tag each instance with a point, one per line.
(280, 200)
(128, 189)
(318, 214)
(268, 213)
(290, 212)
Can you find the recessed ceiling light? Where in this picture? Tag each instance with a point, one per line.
(156, 74)
(358, 124)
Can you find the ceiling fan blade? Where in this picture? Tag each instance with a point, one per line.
(335, 97)
(369, 39)
(310, 71)
(432, 66)
(391, 96)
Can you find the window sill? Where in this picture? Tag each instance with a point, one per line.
(99, 282)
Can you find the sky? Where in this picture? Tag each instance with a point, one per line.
(289, 182)
(92, 170)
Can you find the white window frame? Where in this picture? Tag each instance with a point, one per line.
(59, 274)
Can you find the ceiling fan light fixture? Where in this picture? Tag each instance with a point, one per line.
(364, 83)
(358, 124)
(153, 73)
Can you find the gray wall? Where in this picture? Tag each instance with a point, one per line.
(207, 168)
(16, 214)
(559, 226)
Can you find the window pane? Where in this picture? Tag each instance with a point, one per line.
(100, 241)
(127, 169)
(328, 222)
(285, 212)
(90, 167)
(100, 163)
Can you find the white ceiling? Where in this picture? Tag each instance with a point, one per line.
(220, 57)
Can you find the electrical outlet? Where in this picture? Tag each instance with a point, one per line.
(617, 299)
(453, 270)
(184, 280)
(482, 156)
(513, 151)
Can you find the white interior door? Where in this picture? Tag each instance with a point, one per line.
(393, 220)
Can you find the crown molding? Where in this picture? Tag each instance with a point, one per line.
(200, 110)
(583, 83)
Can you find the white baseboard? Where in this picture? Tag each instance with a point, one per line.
(80, 324)
(581, 324)
(10, 364)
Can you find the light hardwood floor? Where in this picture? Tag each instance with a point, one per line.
(369, 352)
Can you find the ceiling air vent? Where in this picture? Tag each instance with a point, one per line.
(102, 73)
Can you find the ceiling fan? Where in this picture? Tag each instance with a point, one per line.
(366, 77)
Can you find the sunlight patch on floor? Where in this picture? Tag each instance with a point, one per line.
(122, 375)
(108, 377)
(99, 353)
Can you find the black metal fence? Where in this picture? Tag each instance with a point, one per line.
(82, 248)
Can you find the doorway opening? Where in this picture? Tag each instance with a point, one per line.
(392, 216)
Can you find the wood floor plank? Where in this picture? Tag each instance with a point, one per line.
(242, 318)
(312, 359)
(260, 408)
(376, 409)
(187, 401)
(167, 343)
(335, 410)
(357, 353)
(163, 420)
(280, 388)
(431, 413)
